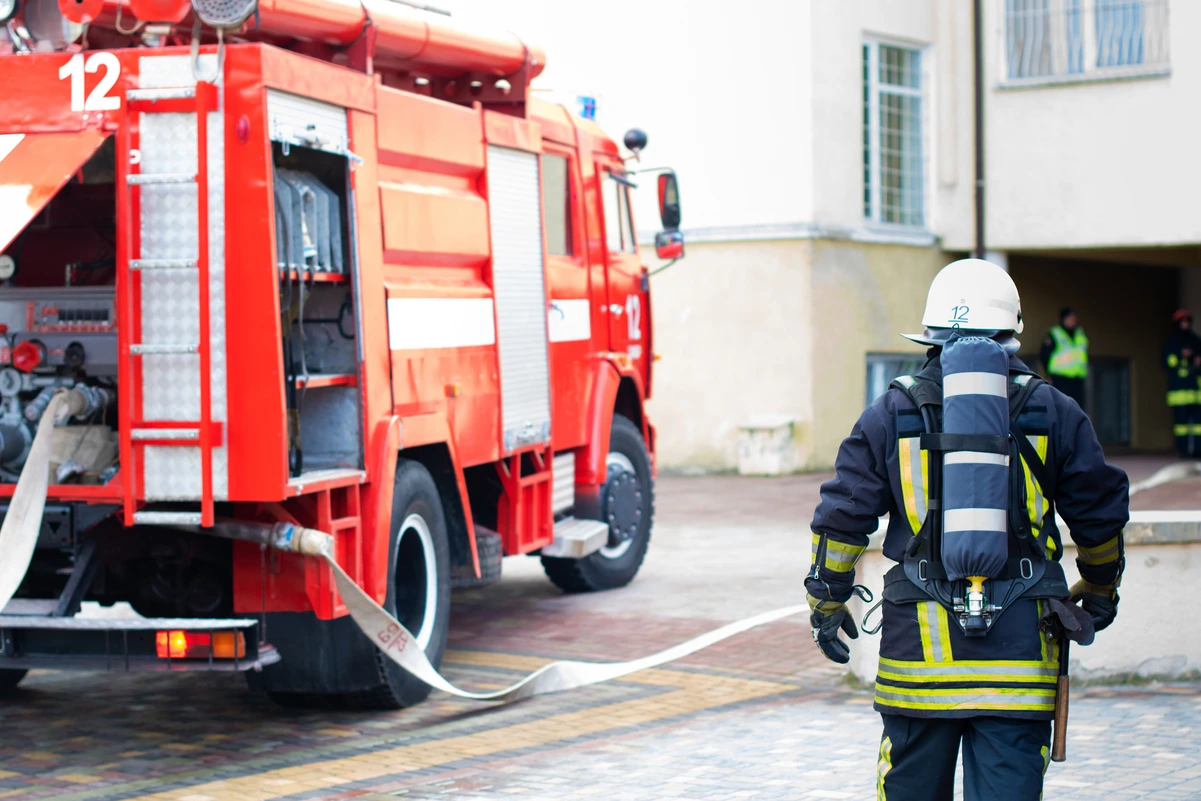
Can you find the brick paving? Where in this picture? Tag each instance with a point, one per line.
(761, 716)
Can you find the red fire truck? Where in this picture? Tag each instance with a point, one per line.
(318, 261)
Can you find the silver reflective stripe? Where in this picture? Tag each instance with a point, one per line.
(839, 561)
(967, 698)
(999, 670)
(916, 458)
(975, 520)
(974, 384)
(931, 611)
(976, 457)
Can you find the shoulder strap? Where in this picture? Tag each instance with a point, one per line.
(1027, 385)
(922, 391)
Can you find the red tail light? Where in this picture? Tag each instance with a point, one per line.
(198, 645)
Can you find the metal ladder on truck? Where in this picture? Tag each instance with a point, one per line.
(137, 433)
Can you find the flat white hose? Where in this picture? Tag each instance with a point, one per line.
(19, 534)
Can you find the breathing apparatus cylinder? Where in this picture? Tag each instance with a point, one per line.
(975, 483)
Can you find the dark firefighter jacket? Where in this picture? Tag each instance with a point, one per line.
(928, 668)
(1179, 355)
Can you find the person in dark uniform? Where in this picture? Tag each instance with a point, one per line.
(1064, 355)
(936, 687)
(1182, 359)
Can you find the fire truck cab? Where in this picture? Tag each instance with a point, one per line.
(327, 264)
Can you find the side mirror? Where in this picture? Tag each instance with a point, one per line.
(669, 201)
(669, 245)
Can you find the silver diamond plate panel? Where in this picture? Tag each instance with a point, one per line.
(170, 298)
(563, 488)
(519, 285)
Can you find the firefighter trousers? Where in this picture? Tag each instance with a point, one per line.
(1186, 427)
(1003, 758)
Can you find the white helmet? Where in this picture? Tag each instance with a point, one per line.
(971, 295)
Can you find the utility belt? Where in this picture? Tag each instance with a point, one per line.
(899, 589)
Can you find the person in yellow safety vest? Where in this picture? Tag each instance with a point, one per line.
(1064, 355)
(1182, 359)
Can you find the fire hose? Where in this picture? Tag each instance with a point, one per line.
(19, 535)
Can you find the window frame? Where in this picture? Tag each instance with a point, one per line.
(872, 170)
(576, 239)
(881, 359)
(608, 173)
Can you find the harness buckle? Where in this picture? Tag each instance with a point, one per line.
(921, 570)
(1026, 567)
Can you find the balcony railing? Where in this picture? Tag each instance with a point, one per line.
(1062, 41)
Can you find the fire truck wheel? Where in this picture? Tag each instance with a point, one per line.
(9, 679)
(418, 585)
(628, 503)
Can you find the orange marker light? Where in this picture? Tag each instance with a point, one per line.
(172, 644)
(229, 644)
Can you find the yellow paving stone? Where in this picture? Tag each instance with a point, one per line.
(11, 793)
(79, 778)
(40, 756)
(131, 754)
(184, 747)
(8, 774)
(336, 732)
(689, 692)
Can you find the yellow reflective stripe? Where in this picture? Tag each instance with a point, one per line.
(944, 632)
(1036, 502)
(1047, 677)
(1028, 699)
(884, 765)
(1182, 397)
(841, 556)
(1042, 636)
(1173, 360)
(1180, 430)
(817, 540)
(926, 619)
(1101, 554)
(913, 481)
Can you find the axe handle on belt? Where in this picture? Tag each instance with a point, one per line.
(1059, 741)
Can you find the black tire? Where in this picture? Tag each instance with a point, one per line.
(611, 566)
(415, 494)
(9, 679)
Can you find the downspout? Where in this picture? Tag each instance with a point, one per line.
(978, 67)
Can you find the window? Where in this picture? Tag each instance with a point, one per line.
(556, 204)
(892, 135)
(619, 230)
(1049, 40)
(882, 368)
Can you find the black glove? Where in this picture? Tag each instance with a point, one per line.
(827, 618)
(1099, 600)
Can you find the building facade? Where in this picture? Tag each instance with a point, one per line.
(826, 156)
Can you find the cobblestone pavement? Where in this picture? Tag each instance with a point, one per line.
(761, 716)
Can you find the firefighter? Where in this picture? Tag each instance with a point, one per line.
(1182, 359)
(936, 686)
(1064, 354)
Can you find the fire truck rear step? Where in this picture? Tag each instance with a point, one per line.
(576, 538)
(111, 643)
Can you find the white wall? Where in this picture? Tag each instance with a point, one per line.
(722, 90)
(1091, 164)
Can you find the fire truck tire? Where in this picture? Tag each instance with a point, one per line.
(9, 679)
(628, 501)
(418, 585)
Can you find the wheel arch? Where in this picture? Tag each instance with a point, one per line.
(437, 458)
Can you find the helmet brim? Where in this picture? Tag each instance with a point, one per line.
(937, 337)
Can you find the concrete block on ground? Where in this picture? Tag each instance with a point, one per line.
(765, 446)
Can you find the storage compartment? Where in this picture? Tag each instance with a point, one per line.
(58, 327)
(313, 239)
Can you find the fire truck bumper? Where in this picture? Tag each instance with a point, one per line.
(132, 644)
